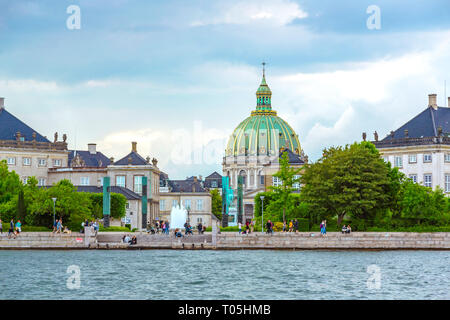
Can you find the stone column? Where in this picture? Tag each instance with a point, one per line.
(255, 185)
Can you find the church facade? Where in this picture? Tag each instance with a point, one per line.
(255, 147)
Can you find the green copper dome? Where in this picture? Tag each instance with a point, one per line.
(263, 133)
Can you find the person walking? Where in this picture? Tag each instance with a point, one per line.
(295, 225)
(291, 226)
(18, 226)
(54, 225)
(59, 226)
(167, 227)
(284, 226)
(247, 227)
(11, 229)
(240, 227)
(321, 228)
(1, 226)
(325, 228)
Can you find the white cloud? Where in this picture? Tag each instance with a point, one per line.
(272, 12)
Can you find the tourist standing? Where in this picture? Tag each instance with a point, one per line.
(291, 226)
(284, 226)
(325, 228)
(1, 226)
(167, 227)
(54, 225)
(240, 227)
(296, 225)
(252, 225)
(247, 227)
(321, 228)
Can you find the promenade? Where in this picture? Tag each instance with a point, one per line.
(235, 241)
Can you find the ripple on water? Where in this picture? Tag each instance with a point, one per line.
(255, 274)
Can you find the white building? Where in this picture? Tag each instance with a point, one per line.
(421, 147)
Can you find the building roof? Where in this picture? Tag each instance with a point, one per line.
(130, 195)
(214, 175)
(425, 124)
(186, 186)
(10, 125)
(98, 160)
(136, 160)
(293, 157)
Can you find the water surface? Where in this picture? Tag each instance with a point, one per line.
(243, 274)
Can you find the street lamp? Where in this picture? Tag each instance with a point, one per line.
(54, 201)
(262, 213)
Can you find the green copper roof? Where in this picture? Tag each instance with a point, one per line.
(263, 133)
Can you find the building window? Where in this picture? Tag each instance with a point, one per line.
(42, 162)
(24, 180)
(214, 184)
(262, 179)
(413, 177)
(412, 158)
(174, 203)
(427, 180)
(41, 182)
(138, 184)
(199, 220)
(12, 161)
(427, 158)
(128, 206)
(296, 185)
(84, 181)
(27, 161)
(162, 205)
(447, 157)
(57, 162)
(187, 204)
(200, 204)
(276, 182)
(120, 181)
(447, 183)
(398, 162)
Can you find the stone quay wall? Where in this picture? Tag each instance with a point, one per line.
(235, 241)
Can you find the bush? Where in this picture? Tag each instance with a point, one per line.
(113, 229)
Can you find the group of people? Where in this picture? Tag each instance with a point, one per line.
(162, 227)
(293, 226)
(14, 229)
(129, 239)
(93, 224)
(346, 229)
(249, 226)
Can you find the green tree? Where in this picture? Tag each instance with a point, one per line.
(10, 186)
(286, 174)
(347, 181)
(118, 203)
(21, 208)
(216, 206)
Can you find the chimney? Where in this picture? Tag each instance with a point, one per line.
(2, 103)
(92, 148)
(432, 101)
(134, 147)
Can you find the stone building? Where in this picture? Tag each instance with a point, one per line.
(254, 148)
(421, 147)
(26, 151)
(191, 193)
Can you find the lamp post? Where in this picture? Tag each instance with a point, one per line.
(262, 213)
(54, 201)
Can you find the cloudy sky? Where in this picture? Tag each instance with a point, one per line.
(179, 76)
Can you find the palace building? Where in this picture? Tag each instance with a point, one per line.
(421, 147)
(254, 148)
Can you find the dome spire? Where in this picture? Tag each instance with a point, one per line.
(263, 95)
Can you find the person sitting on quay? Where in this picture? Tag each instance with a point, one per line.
(349, 229)
(66, 230)
(18, 226)
(133, 240)
(344, 229)
(178, 233)
(126, 238)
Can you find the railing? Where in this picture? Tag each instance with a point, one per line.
(17, 144)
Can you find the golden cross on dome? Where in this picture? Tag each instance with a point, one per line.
(264, 68)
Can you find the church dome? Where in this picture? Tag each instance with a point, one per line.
(263, 133)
